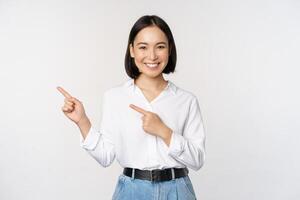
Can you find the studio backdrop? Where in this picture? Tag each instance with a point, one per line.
(240, 58)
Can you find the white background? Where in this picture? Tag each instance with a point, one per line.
(240, 58)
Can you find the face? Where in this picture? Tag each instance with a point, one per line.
(150, 51)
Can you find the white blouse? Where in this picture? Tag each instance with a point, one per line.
(121, 135)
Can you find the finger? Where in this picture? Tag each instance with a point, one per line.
(64, 92)
(68, 107)
(75, 100)
(140, 110)
(65, 109)
(69, 102)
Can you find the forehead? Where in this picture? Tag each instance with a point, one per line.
(151, 34)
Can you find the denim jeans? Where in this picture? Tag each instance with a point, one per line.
(128, 188)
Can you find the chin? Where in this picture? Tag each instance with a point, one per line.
(152, 75)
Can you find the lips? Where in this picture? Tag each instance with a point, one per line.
(152, 65)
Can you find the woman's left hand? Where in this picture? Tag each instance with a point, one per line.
(152, 123)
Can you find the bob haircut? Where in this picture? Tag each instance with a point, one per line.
(143, 22)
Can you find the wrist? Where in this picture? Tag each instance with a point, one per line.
(84, 125)
(166, 133)
(84, 121)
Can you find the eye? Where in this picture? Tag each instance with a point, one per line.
(161, 47)
(142, 47)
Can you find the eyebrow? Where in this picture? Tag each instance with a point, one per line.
(145, 43)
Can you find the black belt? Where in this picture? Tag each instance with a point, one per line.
(157, 174)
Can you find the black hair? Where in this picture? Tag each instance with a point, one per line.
(143, 22)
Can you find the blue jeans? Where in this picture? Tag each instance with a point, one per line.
(128, 188)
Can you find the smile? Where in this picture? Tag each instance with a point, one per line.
(152, 65)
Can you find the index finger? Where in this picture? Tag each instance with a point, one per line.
(64, 92)
(140, 110)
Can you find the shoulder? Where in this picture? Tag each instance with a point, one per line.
(116, 91)
(189, 99)
(184, 93)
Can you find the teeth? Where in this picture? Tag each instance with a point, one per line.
(152, 65)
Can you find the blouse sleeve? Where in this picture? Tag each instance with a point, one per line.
(188, 148)
(99, 144)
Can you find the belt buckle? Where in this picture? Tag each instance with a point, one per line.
(173, 173)
(152, 175)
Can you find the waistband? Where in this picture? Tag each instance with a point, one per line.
(157, 174)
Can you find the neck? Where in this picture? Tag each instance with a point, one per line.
(149, 83)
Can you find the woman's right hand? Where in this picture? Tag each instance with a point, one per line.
(72, 108)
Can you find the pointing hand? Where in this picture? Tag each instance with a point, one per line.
(152, 123)
(73, 108)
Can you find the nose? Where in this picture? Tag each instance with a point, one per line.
(152, 54)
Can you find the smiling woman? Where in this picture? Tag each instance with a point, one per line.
(151, 126)
(150, 44)
(150, 51)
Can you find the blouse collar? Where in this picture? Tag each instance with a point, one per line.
(171, 86)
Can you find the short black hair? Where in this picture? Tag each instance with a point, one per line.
(143, 22)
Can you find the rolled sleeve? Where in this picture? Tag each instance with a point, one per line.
(91, 140)
(176, 146)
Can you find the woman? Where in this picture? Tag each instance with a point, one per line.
(151, 126)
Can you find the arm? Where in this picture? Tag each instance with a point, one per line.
(99, 144)
(189, 148)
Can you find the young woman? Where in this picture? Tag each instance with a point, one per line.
(151, 126)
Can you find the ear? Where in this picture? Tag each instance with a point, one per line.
(131, 51)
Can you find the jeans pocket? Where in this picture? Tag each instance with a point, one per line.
(118, 188)
(189, 186)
